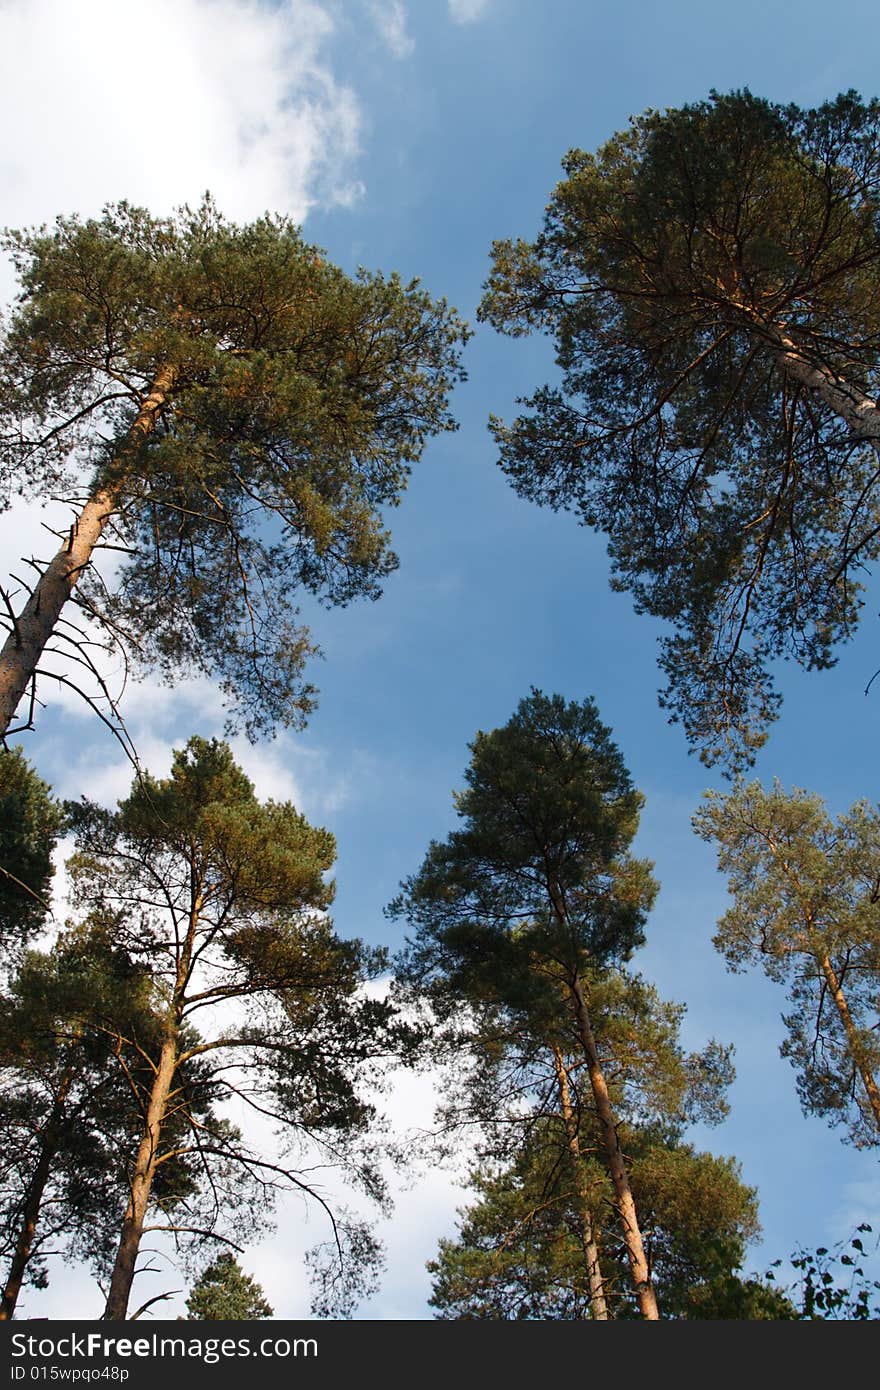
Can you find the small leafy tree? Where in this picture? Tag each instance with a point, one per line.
(229, 413)
(832, 1284)
(224, 1293)
(806, 906)
(711, 279)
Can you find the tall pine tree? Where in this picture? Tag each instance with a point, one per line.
(711, 279)
(536, 890)
(222, 898)
(229, 413)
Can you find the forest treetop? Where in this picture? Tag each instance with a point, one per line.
(238, 411)
(710, 277)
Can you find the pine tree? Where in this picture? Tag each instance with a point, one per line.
(518, 1252)
(224, 1293)
(78, 1030)
(535, 891)
(711, 278)
(517, 1081)
(806, 906)
(229, 413)
(223, 898)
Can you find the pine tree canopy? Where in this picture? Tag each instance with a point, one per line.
(30, 823)
(224, 1293)
(234, 414)
(806, 906)
(711, 278)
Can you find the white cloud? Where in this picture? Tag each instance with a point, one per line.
(110, 100)
(389, 17)
(466, 11)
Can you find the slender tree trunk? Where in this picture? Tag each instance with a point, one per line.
(856, 1050)
(34, 626)
(632, 1235)
(860, 411)
(141, 1183)
(598, 1305)
(24, 1245)
(148, 1149)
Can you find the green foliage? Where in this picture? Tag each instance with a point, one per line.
(301, 398)
(805, 906)
(222, 898)
(540, 869)
(675, 270)
(224, 1293)
(255, 869)
(30, 824)
(523, 917)
(518, 1253)
(77, 1030)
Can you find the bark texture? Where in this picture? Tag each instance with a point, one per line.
(859, 410)
(141, 1184)
(632, 1235)
(856, 1050)
(598, 1305)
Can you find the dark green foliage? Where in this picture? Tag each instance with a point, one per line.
(30, 824)
(79, 1028)
(499, 1074)
(301, 397)
(224, 1293)
(740, 1298)
(523, 918)
(539, 869)
(65, 1101)
(517, 1255)
(711, 279)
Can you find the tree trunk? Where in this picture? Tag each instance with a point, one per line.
(141, 1183)
(24, 1245)
(860, 412)
(35, 624)
(638, 1263)
(852, 1034)
(598, 1305)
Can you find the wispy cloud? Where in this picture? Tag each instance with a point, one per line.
(389, 17)
(156, 106)
(466, 11)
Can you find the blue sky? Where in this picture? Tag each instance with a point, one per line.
(408, 136)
